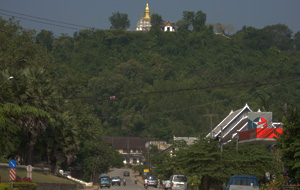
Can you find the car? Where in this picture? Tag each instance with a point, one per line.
(126, 173)
(152, 181)
(243, 182)
(178, 182)
(104, 181)
(116, 180)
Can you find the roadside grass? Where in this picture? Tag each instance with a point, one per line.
(36, 176)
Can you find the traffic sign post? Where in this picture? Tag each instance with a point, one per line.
(12, 171)
(12, 174)
(12, 164)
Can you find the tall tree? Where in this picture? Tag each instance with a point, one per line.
(195, 20)
(45, 38)
(289, 143)
(182, 25)
(156, 21)
(281, 36)
(119, 21)
(189, 16)
(297, 40)
(199, 20)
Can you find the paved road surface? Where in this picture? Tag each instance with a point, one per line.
(130, 185)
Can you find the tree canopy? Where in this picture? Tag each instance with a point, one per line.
(69, 93)
(156, 21)
(289, 144)
(119, 21)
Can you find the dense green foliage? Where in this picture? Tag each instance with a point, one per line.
(19, 185)
(68, 92)
(156, 20)
(36, 114)
(289, 144)
(204, 164)
(119, 21)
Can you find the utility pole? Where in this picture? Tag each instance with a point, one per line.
(128, 151)
(237, 143)
(221, 138)
(211, 122)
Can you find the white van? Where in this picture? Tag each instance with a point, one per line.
(178, 182)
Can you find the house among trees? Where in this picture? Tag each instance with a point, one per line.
(168, 26)
(130, 147)
(246, 126)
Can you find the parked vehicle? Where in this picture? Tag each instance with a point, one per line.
(152, 181)
(104, 181)
(116, 180)
(243, 182)
(126, 173)
(178, 182)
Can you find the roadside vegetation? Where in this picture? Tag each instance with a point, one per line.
(37, 177)
(67, 92)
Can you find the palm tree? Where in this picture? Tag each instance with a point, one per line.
(31, 91)
(62, 140)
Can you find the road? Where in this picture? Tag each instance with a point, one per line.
(130, 185)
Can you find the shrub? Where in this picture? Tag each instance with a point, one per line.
(4, 186)
(25, 186)
(25, 179)
(18, 179)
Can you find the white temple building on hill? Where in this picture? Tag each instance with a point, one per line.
(144, 23)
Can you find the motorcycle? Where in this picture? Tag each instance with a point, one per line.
(146, 186)
(124, 183)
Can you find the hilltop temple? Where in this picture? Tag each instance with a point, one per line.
(144, 23)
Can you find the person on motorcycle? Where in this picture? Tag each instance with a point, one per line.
(146, 183)
(135, 180)
(124, 181)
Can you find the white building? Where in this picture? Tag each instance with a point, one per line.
(144, 24)
(168, 26)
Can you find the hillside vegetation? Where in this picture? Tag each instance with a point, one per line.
(69, 91)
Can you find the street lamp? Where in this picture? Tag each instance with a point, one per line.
(11, 77)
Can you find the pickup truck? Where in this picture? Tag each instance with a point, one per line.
(243, 182)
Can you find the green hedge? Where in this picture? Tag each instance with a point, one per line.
(18, 186)
(25, 186)
(5, 186)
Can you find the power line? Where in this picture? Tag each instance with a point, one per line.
(192, 107)
(242, 84)
(198, 106)
(41, 21)
(40, 18)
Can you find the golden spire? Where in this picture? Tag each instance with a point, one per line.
(147, 12)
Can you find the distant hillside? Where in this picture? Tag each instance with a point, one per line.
(164, 83)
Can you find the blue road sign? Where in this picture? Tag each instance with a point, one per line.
(12, 164)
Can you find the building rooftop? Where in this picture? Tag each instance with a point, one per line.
(126, 142)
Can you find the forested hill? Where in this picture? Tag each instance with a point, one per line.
(165, 83)
(159, 84)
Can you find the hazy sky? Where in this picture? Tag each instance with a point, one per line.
(95, 13)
